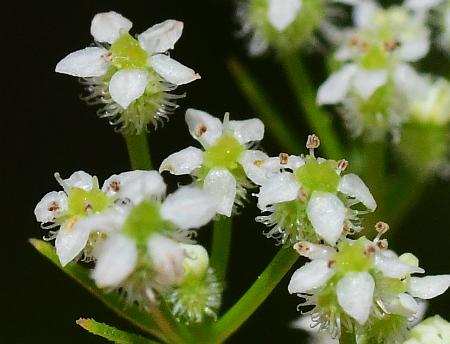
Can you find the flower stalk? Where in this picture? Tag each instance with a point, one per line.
(138, 151)
(254, 296)
(221, 242)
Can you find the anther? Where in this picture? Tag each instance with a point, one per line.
(312, 143)
(258, 162)
(382, 244)
(331, 263)
(392, 45)
(343, 165)
(107, 56)
(54, 206)
(302, 195)
(115, 185)
(200, 130)
(284, 158)
(301, 247)
(381, 228)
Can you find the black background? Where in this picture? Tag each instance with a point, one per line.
(46, 128)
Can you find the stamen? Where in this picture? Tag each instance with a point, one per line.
(392, 45)
(61, 182)
(284, 158)
(200, 130)
(343, 165)
(312, 143)
(53, 206)
(381, 228)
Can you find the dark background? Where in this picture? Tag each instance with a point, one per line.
(46, 128)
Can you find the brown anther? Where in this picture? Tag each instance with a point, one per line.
(382, 244)
(381, 227)
(71, 222)
(392, 45)
(258, 162)
(107, 56)
(370, 250)
(115, 185)
(331, 263)
(54, 206)
(302, 195)
(343, 165)
(301, 247)
(284, 158)
(313, 142)
(87, 206)
(358, 43)
(346, 228)
(200, 130)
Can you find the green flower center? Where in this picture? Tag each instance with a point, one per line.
(127, 53)
(352, 257)
(224, 153)
(313, 176)
(81, 203)
(376, 57)
(143, 221)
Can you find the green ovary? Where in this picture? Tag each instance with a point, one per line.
(376, 57)
(143, 221)
(352, 257)
(82, 203)
(225, 153)
(318, 177)
(127, 53)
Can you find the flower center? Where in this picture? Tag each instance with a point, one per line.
(81, 203)
(224, 153)
(352, 257)
(127, 53)
(313, 176)
(143, 221)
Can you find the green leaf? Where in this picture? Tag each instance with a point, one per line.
(111, 333)
(133, 314)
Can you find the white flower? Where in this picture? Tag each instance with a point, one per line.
(433, 330)
(219, 167)
(82, 200)
(130, 76)
(361, 280)
(317, 337)
(374, 53)
(146, 238)
(282, 24)
(307, 198)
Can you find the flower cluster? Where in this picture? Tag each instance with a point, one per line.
(360, 286)
(375, 54)
(131, 77)
(139, 238)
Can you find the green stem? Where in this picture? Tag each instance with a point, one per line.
(162, 316)
(347, 337)
(221, 241)
(374, 175)
(138, 151)
(318, 119)
(403, 197)
(282, 133)
(254, 296)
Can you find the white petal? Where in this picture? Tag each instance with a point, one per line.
(52, 205)
(256, 166)
(70, 242)
(80, 180)
(314, 251)
(327, 214)
(393, 267)
(335, 88)
(116, 261)
(422, 4)
(404, 304)
(135, 185)
(364, 12)
(167, 258)
(283, 12)
(84, 63)
(415, 49)
(310, 276)
(189, 207)
(108, 221)
(172, 70)
(353, 186)
(203, 127)
(183, 162)
(355, 295)
(366, 82)
(429, 287)
(410, 82)
(109, 26)
(295, 162)
(281, 187)
(161, 37)
(221, 184)
(246, 131)
(128, 85)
